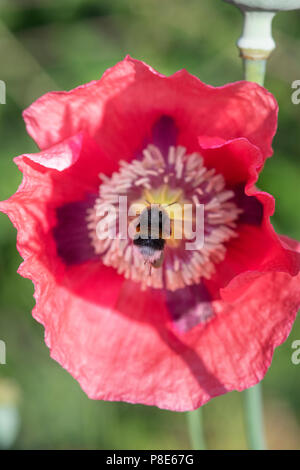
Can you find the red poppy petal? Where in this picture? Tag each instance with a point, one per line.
(131, 96)
(277, 257)
(70, 169)
(52, 179)
(131, 353)
(237, 159)
(257, 248)
(32, 210)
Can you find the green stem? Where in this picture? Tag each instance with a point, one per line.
(254, 70)
(254, 418)
(195, 425)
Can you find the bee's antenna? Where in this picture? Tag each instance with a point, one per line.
(171, 204)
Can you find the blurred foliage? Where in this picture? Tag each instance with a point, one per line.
(59, 44)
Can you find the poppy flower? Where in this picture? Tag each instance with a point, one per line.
(206, 321)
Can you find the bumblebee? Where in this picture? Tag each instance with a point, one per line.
(152, 229)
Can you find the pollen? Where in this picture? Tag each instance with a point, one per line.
(174, 183)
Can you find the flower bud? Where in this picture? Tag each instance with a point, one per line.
(256, 41)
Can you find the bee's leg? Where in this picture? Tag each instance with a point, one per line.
(149, 265)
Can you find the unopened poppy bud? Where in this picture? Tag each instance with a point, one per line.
(256, 41)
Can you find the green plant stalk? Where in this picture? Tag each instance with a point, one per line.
(254, 71)
(254, 418)
(195, 425)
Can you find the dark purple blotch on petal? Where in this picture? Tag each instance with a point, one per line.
(164, 134)
(252, 208)
(71, 233)
(189, 306)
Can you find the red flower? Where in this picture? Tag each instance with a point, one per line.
(208, 322)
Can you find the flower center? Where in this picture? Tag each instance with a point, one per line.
(176, 186)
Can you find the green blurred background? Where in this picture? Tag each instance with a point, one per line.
(59, 44)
